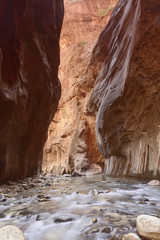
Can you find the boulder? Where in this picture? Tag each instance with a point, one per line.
(148, 226)
(154, 183)
(11, 232)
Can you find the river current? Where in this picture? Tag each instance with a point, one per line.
(73, 208)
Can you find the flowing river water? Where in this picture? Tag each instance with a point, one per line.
(73, 208)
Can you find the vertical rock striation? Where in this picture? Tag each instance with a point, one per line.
(29, 86)
(126, 97)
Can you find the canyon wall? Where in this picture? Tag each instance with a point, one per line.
(71, 143)
(126, 97)
(29, 86)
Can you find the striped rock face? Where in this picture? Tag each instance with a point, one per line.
(126, 97)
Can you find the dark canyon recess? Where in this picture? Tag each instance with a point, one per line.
(29, 86)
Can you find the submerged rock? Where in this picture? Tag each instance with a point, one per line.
(62, 219)
(42, 216)
(11, 232)
(148, 226)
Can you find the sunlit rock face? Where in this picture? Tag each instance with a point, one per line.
(71, 140)
(126, 97)
(84, 20)
(29, 86)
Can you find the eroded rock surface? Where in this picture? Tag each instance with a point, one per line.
(148, 226)
(29, 86)
(126, 97)
(71, 143)
(11, 232)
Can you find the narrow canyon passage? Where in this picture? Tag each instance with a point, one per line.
(71, 143)
(80, 120)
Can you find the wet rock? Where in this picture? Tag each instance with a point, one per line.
(96, 192)
(26, 213)
(42, 196)
(11, 232)
(143, 201)
(93, 231)
(108, 191)
(77, 174)
(154, 183)
(131, 236)
(106, 230)
(148, 226)
(2, 198)
(42, 216)
(153, 204)
(67, 175)
(2, 215)
(43, 199)
(62, 219)
(81, 192)
(94, 220)
(84, 203)
(47, 184)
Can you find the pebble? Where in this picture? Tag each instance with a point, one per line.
(94, 220)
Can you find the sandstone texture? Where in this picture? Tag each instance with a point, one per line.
(11, 232)
(126, 97)
(29, 86)
(71, 143)
(148, 226)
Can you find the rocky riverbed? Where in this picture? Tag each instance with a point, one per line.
(94, 207)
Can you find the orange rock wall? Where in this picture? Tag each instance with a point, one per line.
(71, 140)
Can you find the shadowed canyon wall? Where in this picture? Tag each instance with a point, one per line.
(71, 140)
(126, 97)
(29, 86)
